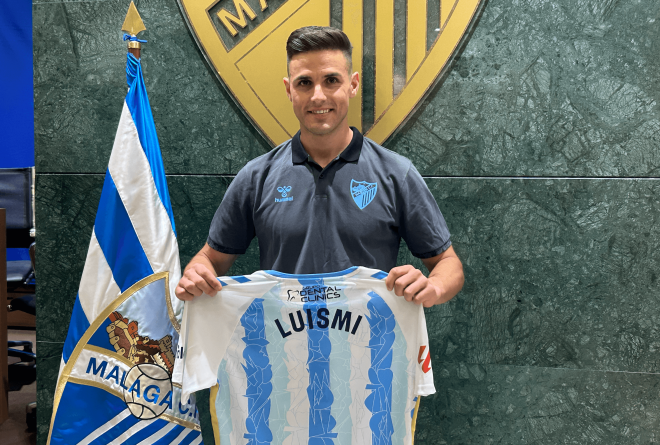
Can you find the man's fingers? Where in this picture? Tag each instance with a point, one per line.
(190, 286)
(394, 274)
(183, 294)
(426, 297)
(210, 279)
(413, 289)
(406, 280)
(201, 284)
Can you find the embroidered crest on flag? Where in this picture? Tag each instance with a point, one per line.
(244, 41)
(363, 192)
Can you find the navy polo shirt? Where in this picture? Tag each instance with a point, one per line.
(309, 219)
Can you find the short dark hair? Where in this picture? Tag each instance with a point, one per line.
(318, 38)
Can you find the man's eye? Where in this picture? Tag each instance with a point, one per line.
(332, 80)
(304, 83)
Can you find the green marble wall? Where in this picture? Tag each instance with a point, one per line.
(540, 146)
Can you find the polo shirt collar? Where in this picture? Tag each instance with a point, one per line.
(350, 153)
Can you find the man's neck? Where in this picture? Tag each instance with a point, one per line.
(324, 148)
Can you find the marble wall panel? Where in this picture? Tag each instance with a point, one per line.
(556, 88)
(510, 405)
(559, 273)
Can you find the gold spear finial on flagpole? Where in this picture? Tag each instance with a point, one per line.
(133, 25)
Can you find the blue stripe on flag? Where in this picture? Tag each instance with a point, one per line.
(138, 104)
(190, 438)
(100, 338)
(379, 275)
(259, 375)
(319, 393)
(240, 278)
(169, 437)
(379, 402)
(146, 432)
(117, 430)
(83, 409)
(118, 240)
(77, 327)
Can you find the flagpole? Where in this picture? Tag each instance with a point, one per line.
(135, 50)
(133, 25)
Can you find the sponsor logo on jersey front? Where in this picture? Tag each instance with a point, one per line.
(363, 192)
(313, 293)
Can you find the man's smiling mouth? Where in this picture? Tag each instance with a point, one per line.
(327, 110)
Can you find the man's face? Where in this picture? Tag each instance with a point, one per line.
(319, 87)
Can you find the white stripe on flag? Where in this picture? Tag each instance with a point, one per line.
(132, 430)
(105, 427)
(130, 170)
(197, 441)
(159, 435)
(181, 436)
(97, 286)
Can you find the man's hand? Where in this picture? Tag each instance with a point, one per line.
(200, 274)
(197, 280)
(444, 282)
(411, 284)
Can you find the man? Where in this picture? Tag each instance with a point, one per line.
(328, 199)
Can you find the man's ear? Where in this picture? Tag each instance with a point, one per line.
(287, 86)
(355, 84)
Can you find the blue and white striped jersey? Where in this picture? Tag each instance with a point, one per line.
(295, 359)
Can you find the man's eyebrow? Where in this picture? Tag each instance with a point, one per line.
(305, 77)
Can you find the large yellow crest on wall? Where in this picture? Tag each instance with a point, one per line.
(400, 48)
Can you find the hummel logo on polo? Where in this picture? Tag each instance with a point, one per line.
(309, 219)
(284, 192)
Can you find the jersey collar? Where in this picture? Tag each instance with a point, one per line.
(350, 153)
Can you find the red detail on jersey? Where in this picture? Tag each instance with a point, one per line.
(426, 366)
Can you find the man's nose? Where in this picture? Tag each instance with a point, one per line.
(318, 95)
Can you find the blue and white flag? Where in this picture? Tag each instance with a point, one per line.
(115, 382)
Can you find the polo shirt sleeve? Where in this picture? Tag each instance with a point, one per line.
(232, 228)
(422, 225)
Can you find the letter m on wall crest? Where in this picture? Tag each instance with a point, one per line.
(400, 48)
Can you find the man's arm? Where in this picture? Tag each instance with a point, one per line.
(200, 274)
(444, 282)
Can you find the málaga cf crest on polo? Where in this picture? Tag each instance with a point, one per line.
(242, 37)
(363, 192)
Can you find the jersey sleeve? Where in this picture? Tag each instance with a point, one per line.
(423, 373)
(422, 225)
(207, 327)
(232, 227)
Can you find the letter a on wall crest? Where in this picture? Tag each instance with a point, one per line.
(400, 49)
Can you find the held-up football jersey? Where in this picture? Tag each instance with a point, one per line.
(307, 359)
